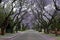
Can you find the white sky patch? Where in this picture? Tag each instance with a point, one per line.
(19, 16)
(5, 6)
(43, 11)
(34, 5)
(29, 9)
(2, 3)
(49, 7)
(13, 4)
(14, 10)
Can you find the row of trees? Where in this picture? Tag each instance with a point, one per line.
(52, 24)
(7, 22)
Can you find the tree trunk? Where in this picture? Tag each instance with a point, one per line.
(47, 31)
(56, 32)
(2, 31)
(44, 30)
(12, 31)
(0, 1)
(40, 29)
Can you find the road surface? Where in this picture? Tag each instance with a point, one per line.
(32, 35)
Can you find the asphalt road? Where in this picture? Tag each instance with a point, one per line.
(32, 35)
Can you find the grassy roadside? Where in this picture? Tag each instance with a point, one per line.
(7, 35)
(53, 35)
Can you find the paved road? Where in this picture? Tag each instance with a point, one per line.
(32, 35)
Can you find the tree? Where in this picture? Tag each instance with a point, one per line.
(6, 20)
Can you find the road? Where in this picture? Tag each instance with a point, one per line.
(32, 35)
